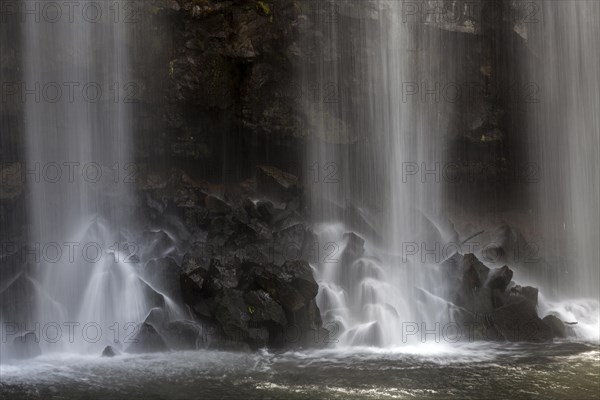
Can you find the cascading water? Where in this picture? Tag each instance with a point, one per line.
(374, 146)
(78, 132)
(564, 142)
(376, 163)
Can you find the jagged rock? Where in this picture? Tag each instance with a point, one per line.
(292, 285)
(25, 346)
(216, 205)
(353, 250)
(474, 272)
(305, 328)
(222, 276)
(479, 300)
(195, 264)
(232, 314)
(266, 210)
(156, 317)
(277, 184)
(109, 352)
(263, 309)
(355, 247)
(184, 335)
(499, 278)
(251, 208)
(191, 293)
(201, 308)
(164, 275)
(557, 327)
(528, 292)
(156, 244)
(518, 322)
(147, 340)
(152, 297)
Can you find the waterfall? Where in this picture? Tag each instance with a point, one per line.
(563, 140)
(76, 73)
(373, 166)
(381, 141)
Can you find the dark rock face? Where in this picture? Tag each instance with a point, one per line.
(147, 340)
(231, 71)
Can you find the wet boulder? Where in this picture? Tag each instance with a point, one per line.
(191, 292)
(183, 335)
(275, 183)
(557, 327)
(147, 340)
(353, 250)
(305, 328)
(109, 352)
(292, 284)
(499, 278)
(293, 242)
(263, 309)
(196, 261)
(151, 296)
(216, 205)
(528, 292)
(163, 274)
(266, 210)
(155, 245)
(232, 314)
(466, 274)
(222, 276)
(479, 300)
(518, 321)
(474, 273)
(156, 317)
(25, 346)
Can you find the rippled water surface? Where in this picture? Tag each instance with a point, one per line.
(474, 371)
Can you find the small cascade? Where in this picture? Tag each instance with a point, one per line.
(372, 147)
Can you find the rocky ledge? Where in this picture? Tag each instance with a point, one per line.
(244, 272)
(494, 306)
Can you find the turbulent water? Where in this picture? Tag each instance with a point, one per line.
(557, 371)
